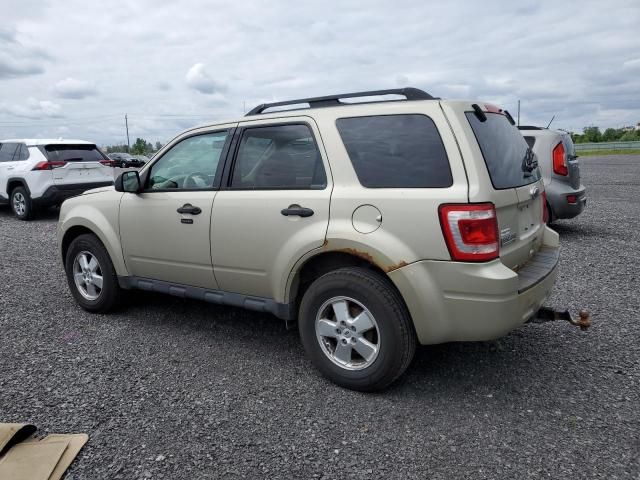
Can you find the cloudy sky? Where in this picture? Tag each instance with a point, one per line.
(73, 68)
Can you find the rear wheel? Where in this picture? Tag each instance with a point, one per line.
(550, 217)
(356, 329)
(21, 203)
(91, 275)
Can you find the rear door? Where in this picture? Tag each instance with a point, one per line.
(81, 164)
(8, 152)
(273, 207)
(510, 179)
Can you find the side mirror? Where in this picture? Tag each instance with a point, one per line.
(128, 182)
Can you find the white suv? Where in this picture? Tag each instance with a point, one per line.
(375, 225)
(41, 173)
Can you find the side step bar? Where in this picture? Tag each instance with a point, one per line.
(546, 314)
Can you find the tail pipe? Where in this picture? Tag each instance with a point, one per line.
(546, 314)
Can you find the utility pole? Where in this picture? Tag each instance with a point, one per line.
(518, 112)
(126, 124)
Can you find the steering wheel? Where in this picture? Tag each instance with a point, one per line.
(190, 180)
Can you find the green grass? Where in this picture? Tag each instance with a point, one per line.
(597, 153)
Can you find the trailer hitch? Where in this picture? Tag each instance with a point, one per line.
(546, 314)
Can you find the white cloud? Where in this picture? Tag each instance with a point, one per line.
(16, 59)
(74, 89)
(199, 79)
(32, 109)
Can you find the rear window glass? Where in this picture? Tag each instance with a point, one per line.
(506, 153)
(73, 153)
(396, 151)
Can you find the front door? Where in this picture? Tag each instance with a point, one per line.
(165, 229)
(273, 207)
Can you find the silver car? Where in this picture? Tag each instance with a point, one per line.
(566, 196)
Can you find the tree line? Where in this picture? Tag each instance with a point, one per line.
(594, 135)
(139, 147)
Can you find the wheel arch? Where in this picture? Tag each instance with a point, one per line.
(95, 224)
(14, 182)
(321, 261)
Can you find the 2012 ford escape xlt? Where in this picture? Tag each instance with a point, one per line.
(376, 225)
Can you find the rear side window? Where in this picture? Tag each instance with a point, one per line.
(509, 159)
(7, 150)
(396, 151)
(278, 157)
(73, 153)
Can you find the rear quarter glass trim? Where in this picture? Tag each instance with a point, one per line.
(444, 168)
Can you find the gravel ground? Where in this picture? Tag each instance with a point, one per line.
(172, 389)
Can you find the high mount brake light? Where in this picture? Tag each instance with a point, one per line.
(49, 165)
(470, 231)
(560, 161)
(492, 108)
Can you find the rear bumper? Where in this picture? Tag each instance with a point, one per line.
(56, 194)
(557, 193)
(455, 301)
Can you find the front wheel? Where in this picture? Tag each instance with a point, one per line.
(356, 329)
(91, 276)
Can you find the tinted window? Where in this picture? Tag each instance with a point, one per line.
(6, 151)
(505, 151)
(73, 153)
(190, 164)
(396, 151)
(278, 157)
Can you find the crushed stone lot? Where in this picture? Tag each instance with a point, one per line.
(175, 389)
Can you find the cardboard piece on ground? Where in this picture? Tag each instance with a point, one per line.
(12, 433)
(75, 443)
(32, 460)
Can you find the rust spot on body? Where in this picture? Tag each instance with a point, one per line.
(398, 265)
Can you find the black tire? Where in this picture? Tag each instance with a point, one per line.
(397, 338)
(550, 217)
(110, 295)
(21, 193)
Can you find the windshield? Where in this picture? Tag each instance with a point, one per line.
(509, 160)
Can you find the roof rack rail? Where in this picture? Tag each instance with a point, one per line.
(334, 100)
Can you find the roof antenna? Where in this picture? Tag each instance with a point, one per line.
(551, 121)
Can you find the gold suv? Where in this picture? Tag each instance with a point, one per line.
(375, 224)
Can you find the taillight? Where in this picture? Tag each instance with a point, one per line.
(559, 160)
(49, 165)
(572, 199)
(108, 163)
(545, 210)
(470, 231)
